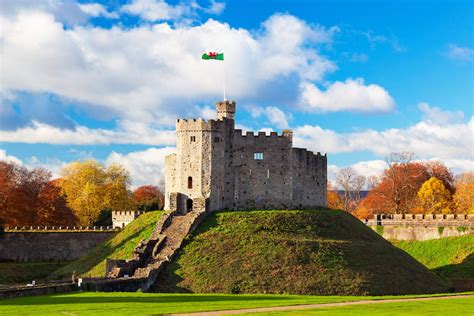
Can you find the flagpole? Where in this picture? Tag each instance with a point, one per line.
(223, 62)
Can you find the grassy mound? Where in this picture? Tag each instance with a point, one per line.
(451, 257)
(120, 246)
(322, 252)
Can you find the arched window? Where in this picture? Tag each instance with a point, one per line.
(190, 182)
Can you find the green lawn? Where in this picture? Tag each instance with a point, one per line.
(121, 246)
(455, 306)
(156, 304)
(451, 257)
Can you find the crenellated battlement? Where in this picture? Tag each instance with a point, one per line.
(421, 220)
(263, 134)
(303, 154)
(192, 125)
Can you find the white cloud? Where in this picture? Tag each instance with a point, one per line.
(156, 10)
(459, 53)
(97, 9)
(426, 139)
(351, 95)
(215, 8)
(146, 167)
(277, 117)
(150, 72)
(127, 133)
(9, 158)
(437, 115)
(274, 115)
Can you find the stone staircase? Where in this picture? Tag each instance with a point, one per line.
(152, 255)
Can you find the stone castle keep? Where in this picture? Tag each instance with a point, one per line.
(217, 167)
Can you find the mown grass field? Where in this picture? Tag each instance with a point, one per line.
(440, 307)
(120, 246)
(157, 304)
(451, 257)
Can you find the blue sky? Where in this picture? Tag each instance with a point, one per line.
(356, 80)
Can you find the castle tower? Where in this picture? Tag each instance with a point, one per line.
(226, 109)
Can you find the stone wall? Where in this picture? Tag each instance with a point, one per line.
(49, 246)
(420, 226)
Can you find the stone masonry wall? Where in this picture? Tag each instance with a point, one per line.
(261, 184)
(420, 226)
(49, 246)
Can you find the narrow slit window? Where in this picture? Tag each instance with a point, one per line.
(190, 182)
(258, 156)
(216, 139)
(193, 139)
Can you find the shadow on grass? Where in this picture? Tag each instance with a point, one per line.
(465, 269)
(163, 299)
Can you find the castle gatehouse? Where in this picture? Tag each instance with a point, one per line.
(217, 167)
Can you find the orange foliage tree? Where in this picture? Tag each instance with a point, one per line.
(396, 193)
(464, 197)
(28, 197)
(149, 198)
(334, 199)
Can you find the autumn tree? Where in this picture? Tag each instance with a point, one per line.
(149, 198)
(434, 198)
(29, 197)
(397, 190)
(91, 188)
(464, 196)
(333, 198)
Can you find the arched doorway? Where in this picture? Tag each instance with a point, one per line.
(189, 205)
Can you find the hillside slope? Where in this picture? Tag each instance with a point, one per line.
(451, 257)
(120, 246)
(323, 252)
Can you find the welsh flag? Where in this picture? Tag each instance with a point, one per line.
(217, 55)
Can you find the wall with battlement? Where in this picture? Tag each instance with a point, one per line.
(262, 183)
(120, 219)
(420, 226)
(49, 246)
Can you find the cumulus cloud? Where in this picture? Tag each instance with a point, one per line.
(9, 158)
(426, 139)
(274, 115)
(215, 7)
(151, 72)
(156, 10)
(464, 54)
(97, 9)
(350, 95)
(127, 133)
(145, 167)
(437, 115)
